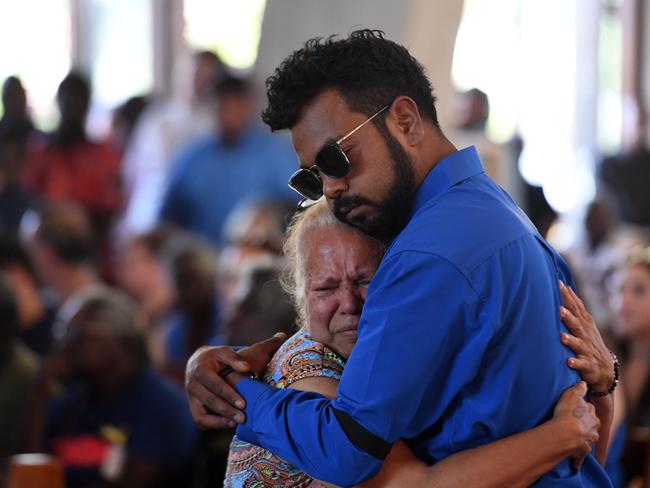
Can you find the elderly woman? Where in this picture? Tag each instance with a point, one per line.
(330, 268)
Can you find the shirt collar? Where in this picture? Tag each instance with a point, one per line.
(449, 171)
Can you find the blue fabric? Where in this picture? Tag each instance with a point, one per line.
(466, 302)
(614, 463)
(152, 414)
(209, 179)
(177, 345)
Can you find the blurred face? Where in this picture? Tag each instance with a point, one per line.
(634, 303)
(72, 105)
(234, 261)
(139, 270)
(339, 266)
(91, 352)
(45, 262)
(234, 114)
(14, 99)
(376, 195)
(205, 71)
(195, 287)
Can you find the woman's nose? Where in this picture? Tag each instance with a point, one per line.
(351, 300)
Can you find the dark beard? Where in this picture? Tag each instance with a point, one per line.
(393, 212)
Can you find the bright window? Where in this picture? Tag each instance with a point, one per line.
(231, 29)
(120, 43)
(36, 39)
(122, 54)
(610, 107)
(537, 61)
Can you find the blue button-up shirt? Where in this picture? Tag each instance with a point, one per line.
(209, 179)
(458, 341)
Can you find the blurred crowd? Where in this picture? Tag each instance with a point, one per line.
(119, 258)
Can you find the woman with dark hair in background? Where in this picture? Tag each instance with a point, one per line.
(630, 451)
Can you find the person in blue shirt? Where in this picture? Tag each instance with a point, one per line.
(457, 341)
(214, 174)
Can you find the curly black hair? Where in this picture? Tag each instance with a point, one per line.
(367, 69)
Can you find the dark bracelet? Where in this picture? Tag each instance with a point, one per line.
(227, 370)
(617, 375)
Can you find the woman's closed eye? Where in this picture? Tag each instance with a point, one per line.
(364, 282)
(325, 287)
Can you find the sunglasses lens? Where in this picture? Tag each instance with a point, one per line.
(332, 161)
(307, 184)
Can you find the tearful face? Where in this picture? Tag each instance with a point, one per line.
(340, 263)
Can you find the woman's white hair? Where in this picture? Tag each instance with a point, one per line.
(293, 278)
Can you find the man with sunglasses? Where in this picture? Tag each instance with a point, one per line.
(457, 341)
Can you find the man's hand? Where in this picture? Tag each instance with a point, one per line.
(579, 421)
(593, 360)
(259, 354)
(214, 403)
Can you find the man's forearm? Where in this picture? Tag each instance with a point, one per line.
(605, 412)
(515, 461)
(301, 428)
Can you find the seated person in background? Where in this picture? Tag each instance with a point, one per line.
(253, 304)
(36, 311)
(143, 273)
(241, 161)
(71, 167)
(261, 223)
(61, 244)
(197, 316)
(259, 305)
(17, 132)
(18, 371)
(629, 456)
(330, 266)
(118, 423)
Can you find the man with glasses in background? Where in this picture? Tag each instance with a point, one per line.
(457, 341)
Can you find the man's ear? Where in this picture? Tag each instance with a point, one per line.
(407, 120)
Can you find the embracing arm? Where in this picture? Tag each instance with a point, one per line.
(346, 440)
(515, 461)
(605, 412)
(593, 361)
(520, 459)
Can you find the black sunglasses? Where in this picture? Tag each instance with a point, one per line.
(331, 160)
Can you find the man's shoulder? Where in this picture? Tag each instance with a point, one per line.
(466, 225)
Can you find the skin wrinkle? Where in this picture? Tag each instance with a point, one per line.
(340, 263)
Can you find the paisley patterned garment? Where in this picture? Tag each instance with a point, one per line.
(250, 466)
